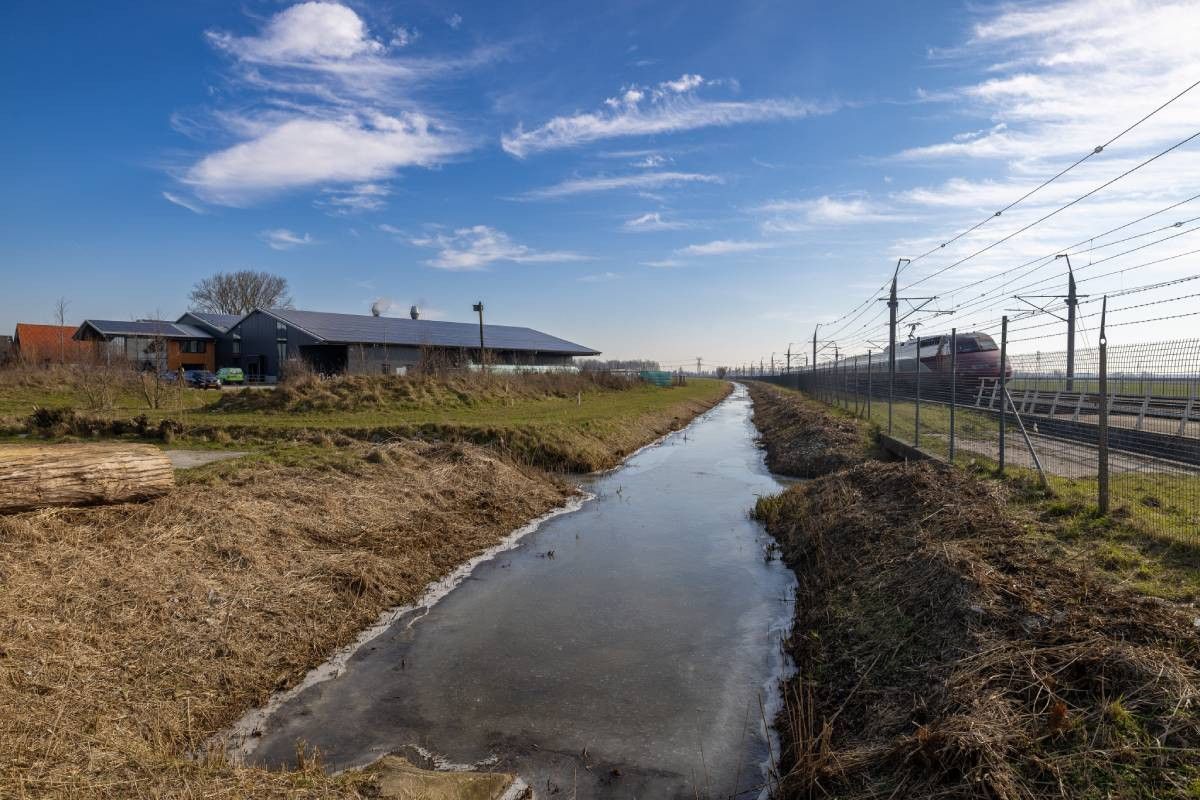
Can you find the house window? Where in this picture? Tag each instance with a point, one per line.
(280, 331)
(282, 348)
(236, 345)
(193, 346)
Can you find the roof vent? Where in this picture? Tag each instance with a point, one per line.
(414, 312)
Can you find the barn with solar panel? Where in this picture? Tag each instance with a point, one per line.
(334, 344)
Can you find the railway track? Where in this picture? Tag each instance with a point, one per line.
(1161, 427)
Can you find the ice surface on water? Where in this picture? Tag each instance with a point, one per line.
(630, 663)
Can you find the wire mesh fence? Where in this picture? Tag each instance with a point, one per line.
(1116, 428)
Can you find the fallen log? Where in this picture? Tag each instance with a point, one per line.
(36, 476)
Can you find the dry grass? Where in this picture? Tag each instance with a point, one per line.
(801, 437)
(131, 633)
(945, 651)
(309, 393)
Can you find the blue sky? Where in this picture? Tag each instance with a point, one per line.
(660, 180)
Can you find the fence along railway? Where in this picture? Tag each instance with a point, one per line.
(1126, 418)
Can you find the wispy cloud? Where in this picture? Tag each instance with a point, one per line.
(600, 183)
(652, 221)
(284, 239)
(308, 152)
(333, 105)
(669, 107)
(183, 202)
(474, 248)
(600, 277)
(355, 199)
(664, 263)
(721, 247)
(792, 216)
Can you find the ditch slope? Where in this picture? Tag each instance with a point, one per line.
(942, 649)
(130, 634)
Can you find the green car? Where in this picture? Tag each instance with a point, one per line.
(229, 375)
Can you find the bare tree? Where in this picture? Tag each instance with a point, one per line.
(240, 292)
(60, 314)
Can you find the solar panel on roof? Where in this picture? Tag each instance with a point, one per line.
(362, 329)
(169, 330)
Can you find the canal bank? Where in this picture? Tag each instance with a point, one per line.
(947, 644)
(622, 650)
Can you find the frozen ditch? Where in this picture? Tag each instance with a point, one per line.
(620, 650)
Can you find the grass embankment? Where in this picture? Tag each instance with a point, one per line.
(557, 422)
(953, 640)
(131, 634)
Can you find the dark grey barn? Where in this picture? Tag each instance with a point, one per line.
(265, 339)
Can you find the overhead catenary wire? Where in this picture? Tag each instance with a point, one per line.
(1004, 290)
(1095, 151)
(1046, 260)
(1053, 213)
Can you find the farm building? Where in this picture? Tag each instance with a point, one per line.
(151, 343)
(228, 347)
(359, 343)
(47, 344)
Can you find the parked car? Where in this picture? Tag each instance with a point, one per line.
(201, 379)
(229, 375)
(167, 376)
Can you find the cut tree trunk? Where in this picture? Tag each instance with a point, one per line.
(35, 476)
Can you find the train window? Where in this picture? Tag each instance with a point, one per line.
(976, 344)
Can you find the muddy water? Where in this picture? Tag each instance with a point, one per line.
(618, 651)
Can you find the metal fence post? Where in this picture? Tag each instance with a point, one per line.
(1003, 386)
(1102, 418)
(869, 376)
(917, 404)
(953, 385)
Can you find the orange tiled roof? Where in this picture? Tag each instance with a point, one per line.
(44, 342)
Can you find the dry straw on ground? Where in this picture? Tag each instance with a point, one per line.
(946, 650)
(131, 633)
(802, 439)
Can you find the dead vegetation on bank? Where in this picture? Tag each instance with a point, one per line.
(801, 438)
(309, 393)
(129, 634)
(555, 422)
(945, 651)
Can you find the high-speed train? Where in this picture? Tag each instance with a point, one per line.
(978, 357)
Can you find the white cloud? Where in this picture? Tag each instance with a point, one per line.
(601, 277)
(183, 202)
(721, 247)
(284, 239)
(642, 180)
(392, 229)
(1070, 75)
(791, 216)
(455, 21)
(684, 83)
(651, 161)
(670, 107)
(324, 103)
(652, 221)
(357, 198)
(403, 37)
(310, 152)
(303, 32)
(664, 263)
(476, 247)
